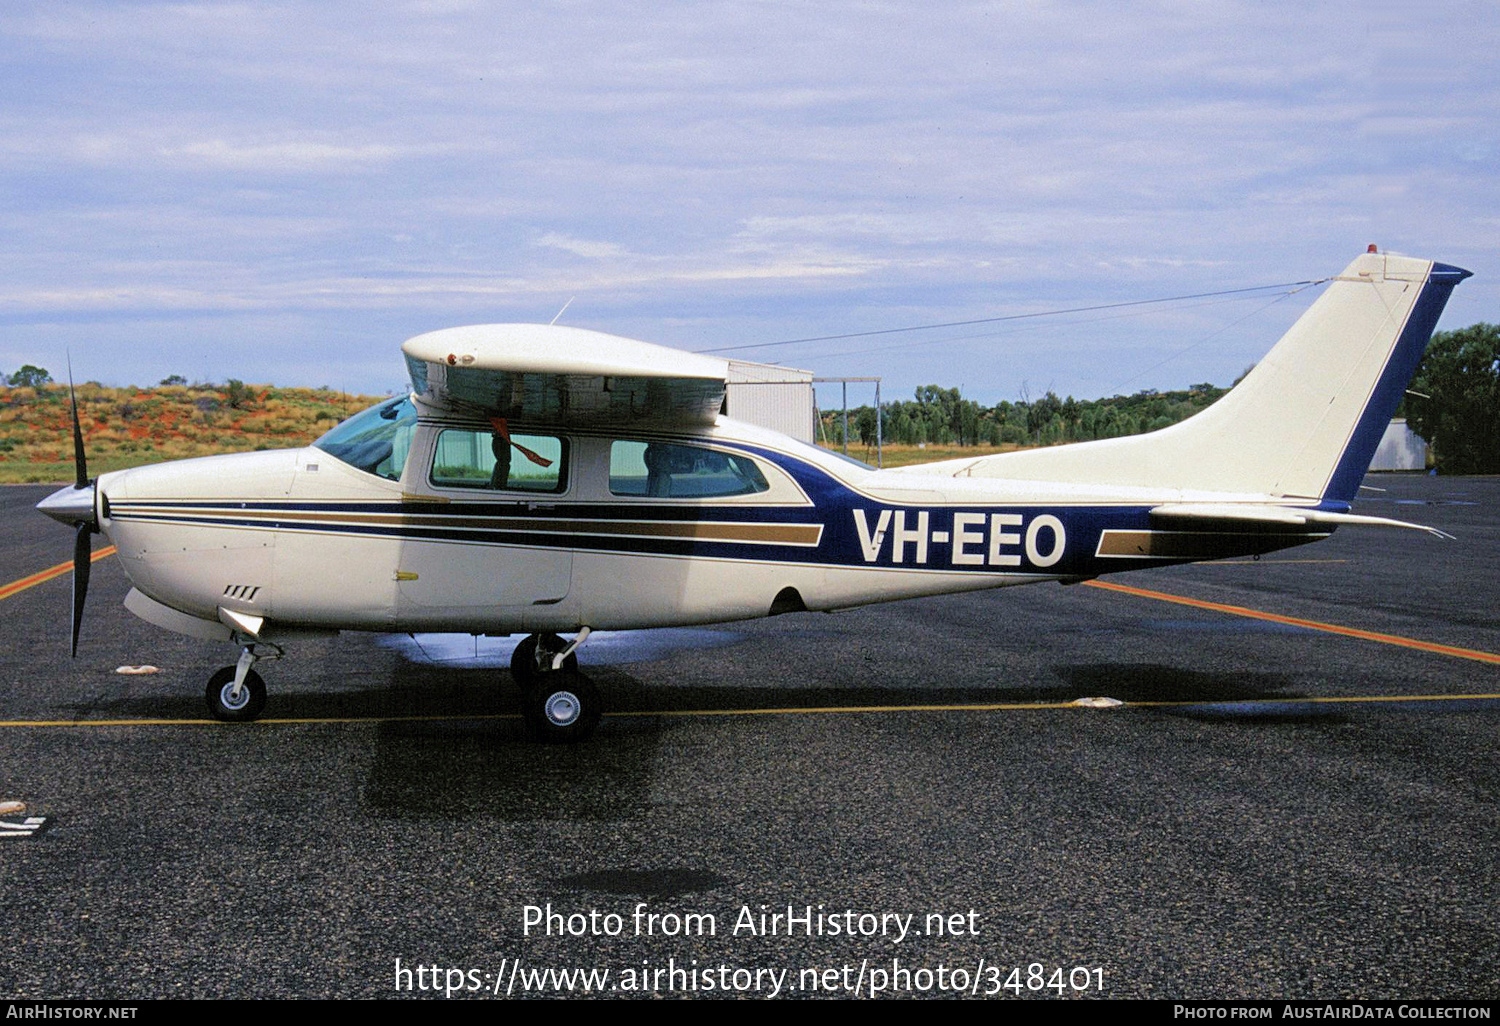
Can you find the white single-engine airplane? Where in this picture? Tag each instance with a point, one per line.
(550, 480)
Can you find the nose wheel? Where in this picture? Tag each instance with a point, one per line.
(232, 705)
(236, 694)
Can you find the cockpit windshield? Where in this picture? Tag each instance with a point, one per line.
(376, 440)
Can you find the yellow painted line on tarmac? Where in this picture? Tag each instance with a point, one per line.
(42, 576)
(828, 710)
(1027, 706)
(1294, 621)
(283, 721)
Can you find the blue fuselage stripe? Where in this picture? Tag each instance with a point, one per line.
(856, 530)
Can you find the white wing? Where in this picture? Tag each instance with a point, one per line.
(539, 373)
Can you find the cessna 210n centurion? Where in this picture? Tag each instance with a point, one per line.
(550, 480)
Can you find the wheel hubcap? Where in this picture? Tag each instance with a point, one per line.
(228, 700)
(562, 708)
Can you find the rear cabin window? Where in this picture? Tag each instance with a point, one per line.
(665, 470)
(485, 460)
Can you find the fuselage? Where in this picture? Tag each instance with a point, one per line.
(409, 524)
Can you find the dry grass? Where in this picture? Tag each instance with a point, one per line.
(126, 427)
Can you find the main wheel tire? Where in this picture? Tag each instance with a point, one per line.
(523, 659)
(251, 701)
(561, 707)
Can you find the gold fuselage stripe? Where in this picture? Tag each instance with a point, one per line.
(1136, 544)
(700, 530)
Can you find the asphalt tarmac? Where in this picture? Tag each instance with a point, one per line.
(1278, 810)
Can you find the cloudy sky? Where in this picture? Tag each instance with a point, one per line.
(284, 192)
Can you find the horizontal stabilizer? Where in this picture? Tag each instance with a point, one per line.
(1270, 514)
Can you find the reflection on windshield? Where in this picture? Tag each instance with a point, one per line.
(376, 440)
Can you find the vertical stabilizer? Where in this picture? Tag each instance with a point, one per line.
(1304, 424)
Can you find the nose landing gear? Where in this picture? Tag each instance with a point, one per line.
(236, 694)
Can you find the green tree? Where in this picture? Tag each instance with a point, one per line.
(30, 377)
(174, 379)
(1461, 420)
(237, 394)
(1039, 416)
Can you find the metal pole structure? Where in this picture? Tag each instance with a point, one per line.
(844, 383)
(846, 418)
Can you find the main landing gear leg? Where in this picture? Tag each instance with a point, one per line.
(558, 703)
(236, 694)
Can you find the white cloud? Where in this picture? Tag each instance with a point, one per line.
(278, 157)
(750, 170)
(581, 247)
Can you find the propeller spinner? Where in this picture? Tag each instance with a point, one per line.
(75, 505)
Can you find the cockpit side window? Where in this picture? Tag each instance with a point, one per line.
(667, 470)
(376, 440)
(511, 462)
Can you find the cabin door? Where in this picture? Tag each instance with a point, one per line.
(483, 545)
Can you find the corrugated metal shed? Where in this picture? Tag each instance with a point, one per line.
(772, 396)
(1401, 448)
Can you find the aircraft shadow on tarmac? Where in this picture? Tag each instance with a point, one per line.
(473, 759)
(454, 770)
(458, 769)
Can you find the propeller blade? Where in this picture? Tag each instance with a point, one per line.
(81, 562)
(80, 462)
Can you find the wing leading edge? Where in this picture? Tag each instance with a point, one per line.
(538, 373)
